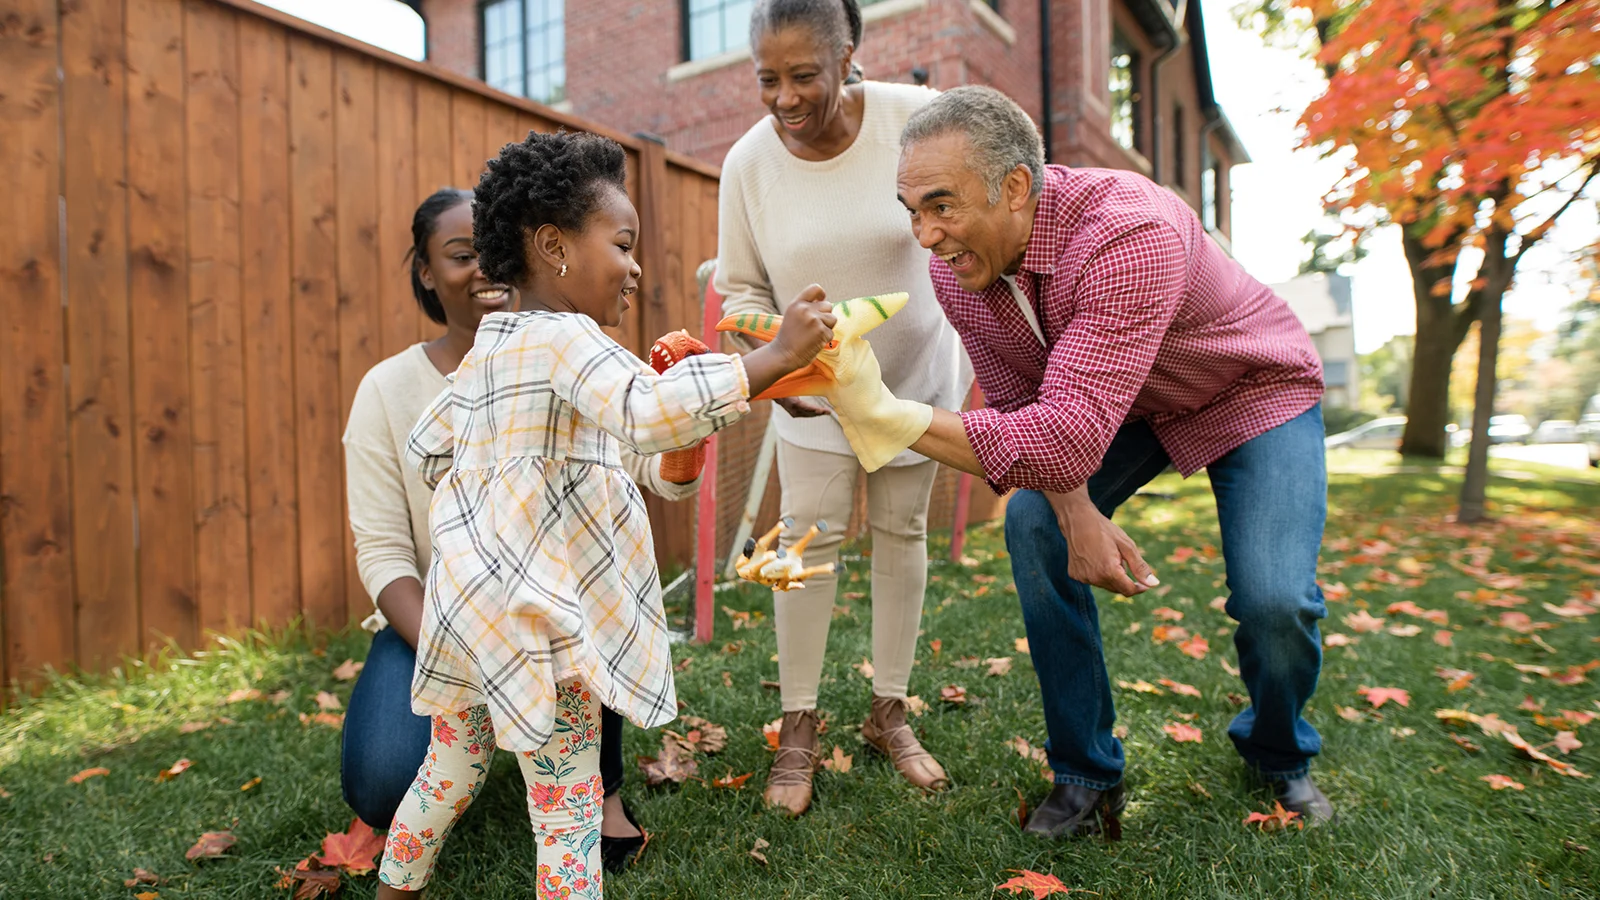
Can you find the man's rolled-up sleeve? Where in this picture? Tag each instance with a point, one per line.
(1126, 299)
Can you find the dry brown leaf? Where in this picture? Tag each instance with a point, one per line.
(727, 679)
(192, 727)
(865, 668)
(755, 852)
(243, 694)
(839, 762)
(675, 764)
(706, 737)
(142, 876)
(954, 694)
(211, 845)
(347, 670)
(999, 665)
(916, 705)
(327, 701)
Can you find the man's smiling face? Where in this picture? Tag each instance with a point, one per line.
(952, 216)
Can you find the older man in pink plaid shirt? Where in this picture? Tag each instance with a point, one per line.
(1112, 338)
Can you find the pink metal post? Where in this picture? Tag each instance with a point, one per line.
(958, 527)
(705, 563)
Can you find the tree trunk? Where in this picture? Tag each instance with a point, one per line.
(1475, 485)
(1495, 278)
(1440, 330)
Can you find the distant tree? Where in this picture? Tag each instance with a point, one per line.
(1385, 376)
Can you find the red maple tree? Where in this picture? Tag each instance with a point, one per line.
(1467, 123)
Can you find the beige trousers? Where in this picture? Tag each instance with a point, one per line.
(821, 486)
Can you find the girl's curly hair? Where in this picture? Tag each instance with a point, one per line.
(555, 179)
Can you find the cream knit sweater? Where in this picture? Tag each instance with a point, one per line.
(388, 500)
(785, 223)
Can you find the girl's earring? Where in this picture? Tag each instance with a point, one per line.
(563, 272)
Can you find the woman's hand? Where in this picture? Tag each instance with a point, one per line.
(801, 408)
(1097, 549)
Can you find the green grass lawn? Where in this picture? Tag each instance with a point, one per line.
(1416, 820)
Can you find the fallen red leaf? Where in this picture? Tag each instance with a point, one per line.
(731, 781)
(1179, 687)
(1279, 818)
(1195, 647)
(1182, 733)
(1163, 634)
(211, 845)
(1443, 638)
(355, 851)
(1041, 885)
(1378, 696)
(1361, 620)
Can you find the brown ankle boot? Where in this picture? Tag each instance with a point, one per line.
(887, 732)
(789, 783)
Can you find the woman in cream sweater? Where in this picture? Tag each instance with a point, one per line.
(384, 742)
(808, 195)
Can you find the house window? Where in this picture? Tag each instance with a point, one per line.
(524, 48)
(714, 27)
(1180, 163)
(1336, 373)
(1125, 98)
(1208, 196)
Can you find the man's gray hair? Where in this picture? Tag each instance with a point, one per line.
(1000, 136)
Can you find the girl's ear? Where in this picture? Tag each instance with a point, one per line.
(548, 247)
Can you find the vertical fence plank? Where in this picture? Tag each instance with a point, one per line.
(355, 126)
(318, 413)
(466, 138)
(216, 324)
(397, 200)
(35, 510)
(95, 179)
(159, 317)
(434, 169)
(266, 297)
(500, 129)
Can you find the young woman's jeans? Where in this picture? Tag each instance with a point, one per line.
(1271, 498)
(385, 742)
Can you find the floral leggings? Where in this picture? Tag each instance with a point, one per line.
(564, 797)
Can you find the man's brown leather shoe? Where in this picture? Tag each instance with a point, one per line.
(1072, 809)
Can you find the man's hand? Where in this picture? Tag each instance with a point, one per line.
(1098, 550)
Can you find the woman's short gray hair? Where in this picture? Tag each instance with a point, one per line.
(999, 134)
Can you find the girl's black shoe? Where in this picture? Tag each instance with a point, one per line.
(617, 853)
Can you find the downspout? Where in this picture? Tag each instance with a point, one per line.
(1047, 124)
(1175, 31)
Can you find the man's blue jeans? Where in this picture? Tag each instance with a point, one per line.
(1271, 503)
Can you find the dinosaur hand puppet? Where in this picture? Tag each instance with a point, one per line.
(780, 570)
(678, 466)
(877, 423)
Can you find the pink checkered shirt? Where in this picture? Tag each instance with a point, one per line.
(1144, 317)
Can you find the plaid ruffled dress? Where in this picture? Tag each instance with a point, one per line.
(543, 564)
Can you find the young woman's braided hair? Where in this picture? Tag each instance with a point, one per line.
(555, 179)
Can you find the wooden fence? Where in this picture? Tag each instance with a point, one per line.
(205, 208)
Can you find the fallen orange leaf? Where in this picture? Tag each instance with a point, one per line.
(1021, 644)
(355, 850)
(1443, 638)
(243, 694)
(1378, 696)
(178, 768)
(87, 774)
(1361, 620)
(1041, 885)
(1501, 782)
(1279, 818)
(250, 784)
(1182, 733)
(1195, 647)
(731, 781)
(840, 762)
(1167, 613)
(1179, 687)
(142, 876)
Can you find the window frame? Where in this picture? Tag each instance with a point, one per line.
(522, 43)
(1135, 90)
(686, 43)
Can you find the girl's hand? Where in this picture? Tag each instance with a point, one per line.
(807, 328)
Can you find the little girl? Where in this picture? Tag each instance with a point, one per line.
(543, 600)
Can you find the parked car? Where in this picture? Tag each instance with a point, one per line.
(1509, 429)
(1379, 434)
(1555, 431)
(1589, 429)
